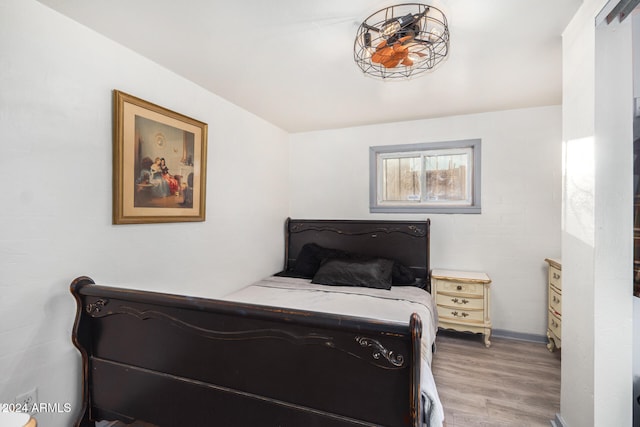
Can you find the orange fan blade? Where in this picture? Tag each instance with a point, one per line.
(400, 53)
(391, 56)
(378, 55)
(399, 48)
(394, 59)
(391, 63)
(382, 55)
(391, 60)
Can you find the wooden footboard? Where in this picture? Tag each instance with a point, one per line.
(175, 361)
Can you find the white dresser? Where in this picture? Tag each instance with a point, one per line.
(554, 322)
(463, 302)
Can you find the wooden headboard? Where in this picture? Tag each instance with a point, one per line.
(403, 241)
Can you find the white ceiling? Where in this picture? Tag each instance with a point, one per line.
(291, 61)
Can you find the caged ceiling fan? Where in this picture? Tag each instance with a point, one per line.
(402, 40)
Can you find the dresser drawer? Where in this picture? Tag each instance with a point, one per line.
(555, 324)
(555, 277)
(453, 300)
(459, 288)
(459, 314)
(555, 301)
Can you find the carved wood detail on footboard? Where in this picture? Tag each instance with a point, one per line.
(174, 360)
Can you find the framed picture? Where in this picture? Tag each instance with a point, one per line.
(159, 163)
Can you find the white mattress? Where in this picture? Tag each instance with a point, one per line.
(394, 305)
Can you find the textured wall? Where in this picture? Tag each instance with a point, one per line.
(56, 79)
(521, 198)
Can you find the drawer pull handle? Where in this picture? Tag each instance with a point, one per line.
(556, 299)
(456, 314)
(457, 301)
(556, 275)
(459, 287)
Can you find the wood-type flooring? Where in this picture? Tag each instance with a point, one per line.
(510, 384)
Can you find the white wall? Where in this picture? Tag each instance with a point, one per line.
(636, 301)
(56, 82)
(597, 222)
(521, 198)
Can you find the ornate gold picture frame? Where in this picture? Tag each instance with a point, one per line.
(159, 163)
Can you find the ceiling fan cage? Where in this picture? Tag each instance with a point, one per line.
(401, 41)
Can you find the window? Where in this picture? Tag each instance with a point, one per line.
(442, 177)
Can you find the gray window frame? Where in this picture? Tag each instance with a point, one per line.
(474, 208)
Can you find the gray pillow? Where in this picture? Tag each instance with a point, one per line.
(370, 273)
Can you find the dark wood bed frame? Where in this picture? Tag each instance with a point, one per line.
(174, 360)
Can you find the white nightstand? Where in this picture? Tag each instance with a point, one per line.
(463, 302)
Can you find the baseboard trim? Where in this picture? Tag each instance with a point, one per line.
(502, 333)
(558, 421)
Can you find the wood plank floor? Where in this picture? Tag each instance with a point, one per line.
(511, 384)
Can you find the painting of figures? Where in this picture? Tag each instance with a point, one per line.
(159, 164)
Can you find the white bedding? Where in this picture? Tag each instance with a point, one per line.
(394, 305)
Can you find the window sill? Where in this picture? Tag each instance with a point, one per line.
(426, 209)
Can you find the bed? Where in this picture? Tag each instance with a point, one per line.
(286, 351)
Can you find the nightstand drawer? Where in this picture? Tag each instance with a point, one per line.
(460, 288)
(555, 324)
(452, 313)
(555, 301)
(453, 300)
(555, 277)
